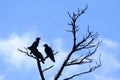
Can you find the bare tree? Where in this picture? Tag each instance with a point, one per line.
(87, 43)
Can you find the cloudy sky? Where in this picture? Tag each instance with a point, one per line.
(21, 21)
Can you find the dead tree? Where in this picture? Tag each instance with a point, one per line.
(88, 43)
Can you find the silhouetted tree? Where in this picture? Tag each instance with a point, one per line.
(88, 43)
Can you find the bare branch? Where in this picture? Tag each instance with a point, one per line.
(53, 54)
(83, 60)
(80, 62)
(27, 53)
(88, 42)
(68, 30)
(38, 62)
(90, 70)
(75, 60)
(74, 18)
(48, 68)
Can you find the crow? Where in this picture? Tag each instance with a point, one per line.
(38, 55)
(34, 45)
(49, 52)
(33, 50)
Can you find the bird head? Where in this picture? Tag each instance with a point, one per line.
(45, 45)
(38, 38)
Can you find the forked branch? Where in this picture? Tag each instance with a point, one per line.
(87, 42)
(88, 71)
(38, 62)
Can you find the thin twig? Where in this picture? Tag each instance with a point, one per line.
(90, 70)
(48, 68)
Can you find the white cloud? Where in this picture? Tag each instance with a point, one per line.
(109, 54)
(110, 43)
(10, 54)
(110, 61)
(8, 50)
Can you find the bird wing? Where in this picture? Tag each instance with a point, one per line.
(49, 53)
(48, 50)
(35, 44)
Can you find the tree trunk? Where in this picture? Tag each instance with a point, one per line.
(40, 69)
(63, 66)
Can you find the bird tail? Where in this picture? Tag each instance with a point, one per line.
(42, 61)
(41, 57)
(52, 58)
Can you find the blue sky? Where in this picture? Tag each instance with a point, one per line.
(22, 21)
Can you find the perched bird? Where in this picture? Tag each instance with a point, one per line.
(33, 50)
(34, 45)
(49, 52)
(38, 55)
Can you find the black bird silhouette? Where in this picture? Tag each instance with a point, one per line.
(34, 46)
(38, 55)
(49, 52)
(33, 50)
